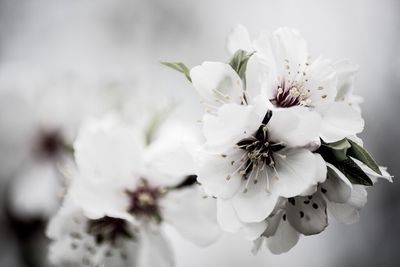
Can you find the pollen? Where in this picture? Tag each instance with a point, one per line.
(288, 95)
(145, 199)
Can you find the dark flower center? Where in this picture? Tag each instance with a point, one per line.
(144, 201)
(108, 229)
(50, 144)
(289, 95)
(259, 149)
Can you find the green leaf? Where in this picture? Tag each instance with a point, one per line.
(337, 150)
(353, 172)
(358, 152)
(179, 66)
(339, 145)
(239, 62)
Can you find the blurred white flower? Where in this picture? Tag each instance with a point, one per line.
(42, 111)
(281, 68)
(79, 240)
(122, 176)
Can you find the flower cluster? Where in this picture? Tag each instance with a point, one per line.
(281, 153)
(278, 157)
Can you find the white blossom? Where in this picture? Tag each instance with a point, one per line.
(43, 110)
(122, 177)
(282, 69)
(252, 156)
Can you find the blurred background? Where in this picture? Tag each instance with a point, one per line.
(61, 61)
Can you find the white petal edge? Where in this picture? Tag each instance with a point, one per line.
(339, 120)
(238, 38)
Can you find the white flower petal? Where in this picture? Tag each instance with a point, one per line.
(297, 171)
(230, 222)
(372, 174)
(155, 250)
(345, 71)
(348, 213)
(108, 150)
(61, 253)
(321, 168)
(267, 63)
(281, 126)
(307, 214)
(213, 171)
(192, 215)
(99, 200)
(227, 217)
(252, 231)
(295, 127)
(238, 39)
(256, 204)
(286, 46)
(284, 54)
(257, 245)
(337, 188)
(73, 245)
(358, 197)
(62, 221)
(217, 83)
(231, 124)
(284, 238)
(322, 82)
(257, 75)
(290, 44)
(320, 176)
(273, 222)
(169, 157)
(339, 120)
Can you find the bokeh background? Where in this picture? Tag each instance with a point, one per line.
(61, 61)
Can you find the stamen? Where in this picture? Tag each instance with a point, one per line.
(277, 144)
(221, 101)
(212, 112)
(280, 155)
(246, 186)
(256, 178)
(243, 172)
(209, 106)
(267, 189)
(224, 96)
(292, 90)
(240, 167)
(276, 173)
